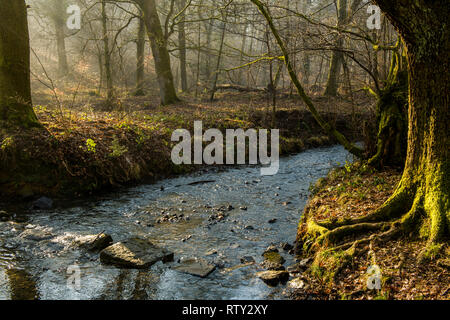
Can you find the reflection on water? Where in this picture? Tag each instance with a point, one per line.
(183, 218)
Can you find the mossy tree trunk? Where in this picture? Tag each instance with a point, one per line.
(392, 117)
(426, 180)
(161, 56)
(421, 203)
(15, 89)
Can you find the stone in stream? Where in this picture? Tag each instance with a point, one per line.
(134, 253)
(269, 249)
(4, 216)
(94, 242)
(273, 261)
(286, 246)
(36, 235)
(43, 203)
(247, 259)
(273, 278)
(196, 267)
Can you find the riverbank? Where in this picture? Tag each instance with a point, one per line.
(354, 191)
(85, 149)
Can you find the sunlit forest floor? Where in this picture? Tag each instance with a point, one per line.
(354, 191)
(90, 145)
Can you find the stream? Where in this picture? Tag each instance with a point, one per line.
(37, 268)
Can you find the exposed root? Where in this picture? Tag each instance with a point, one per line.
(392, 209)
(336, 235)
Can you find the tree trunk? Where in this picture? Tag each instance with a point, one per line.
(107, 55)
(59, 22)
(219, 58)
(182, 47)
(337, 55)
(422, 25)
(140, 53)
(392, 122)
(161, 56)
(15, 89)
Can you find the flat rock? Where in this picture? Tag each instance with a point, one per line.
(272, 277)
(134, 253)
(36, 235)
(195, 267)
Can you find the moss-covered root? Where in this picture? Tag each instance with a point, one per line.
(392, 209)
(426, 217)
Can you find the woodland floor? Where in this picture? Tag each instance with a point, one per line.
(351, 192)
(89, 145)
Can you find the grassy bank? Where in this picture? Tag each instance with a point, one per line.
(354, 191)
(85, 148)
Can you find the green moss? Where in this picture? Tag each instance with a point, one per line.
(328, 264)
(273, 257)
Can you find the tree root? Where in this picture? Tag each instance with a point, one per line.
(393, 208)
(336, 235)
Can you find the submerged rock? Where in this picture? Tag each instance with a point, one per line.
(36, 235)
(272, 277)
(134, 253)
(196, 267)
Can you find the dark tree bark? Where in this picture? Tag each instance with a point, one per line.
(107, 55)
(425, 185)
(140, 53)
(159, 49)
(421, 201)
(15, 89)
(392, 114)
(182, 47)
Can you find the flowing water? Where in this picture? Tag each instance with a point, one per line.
(39, 269)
